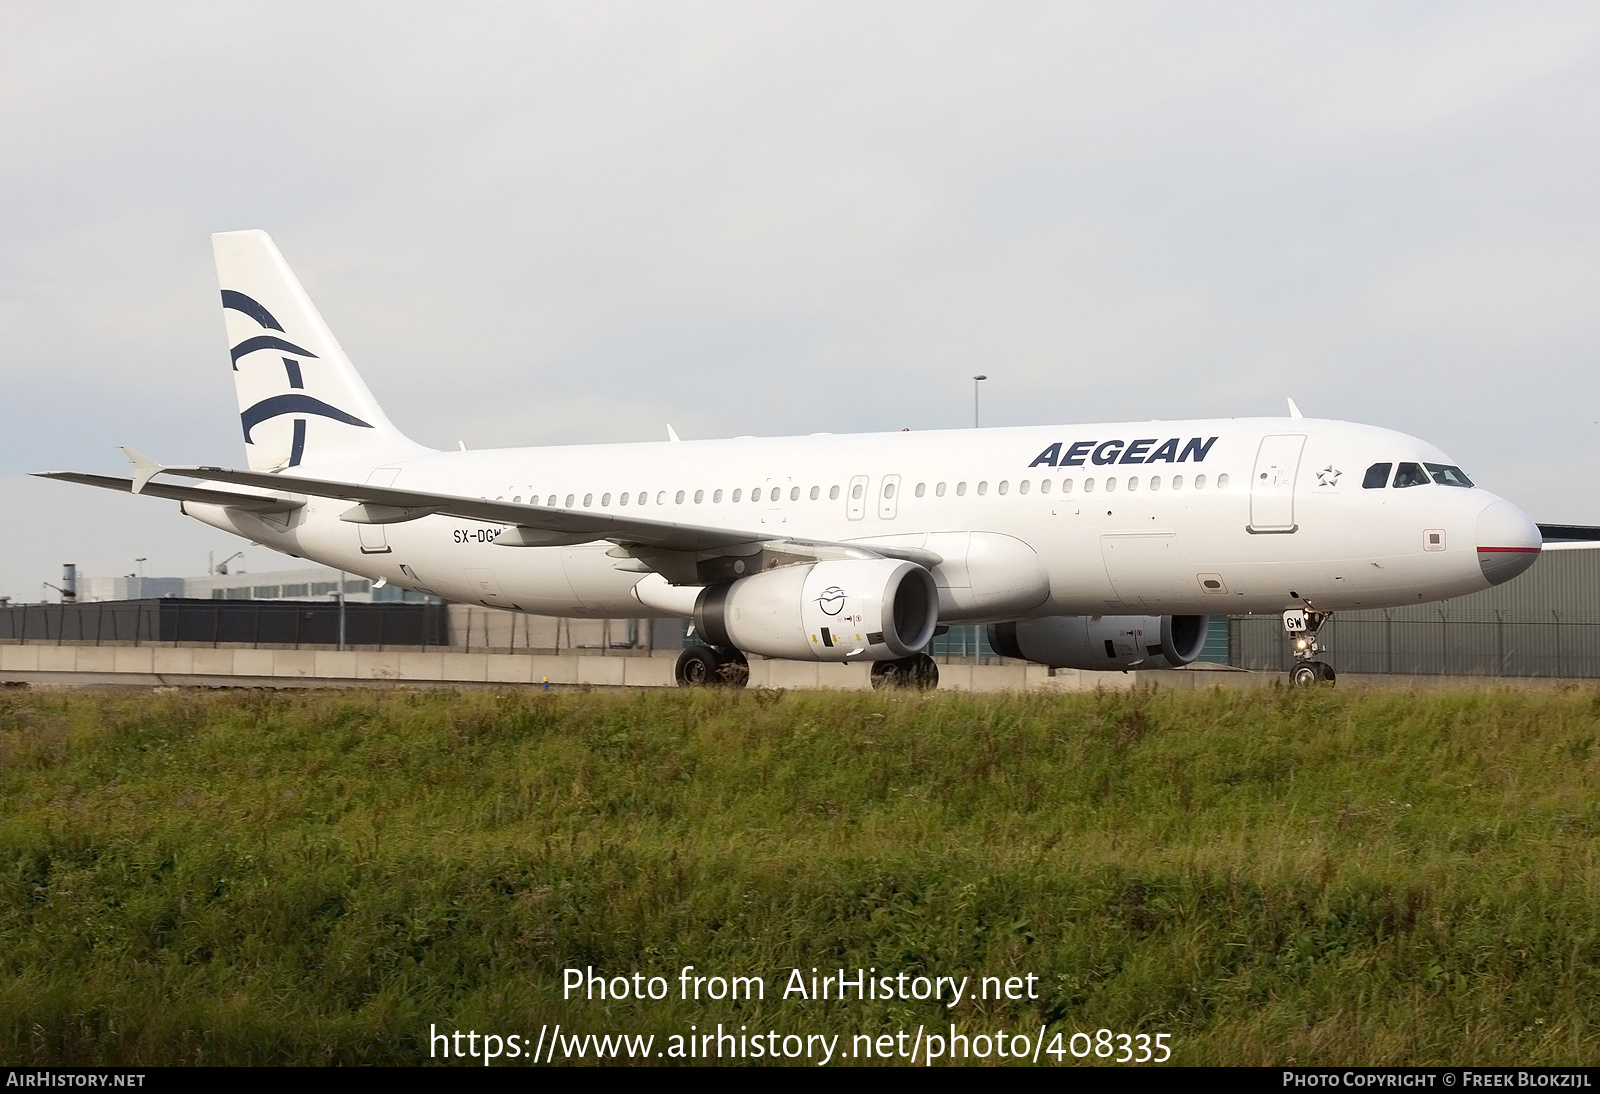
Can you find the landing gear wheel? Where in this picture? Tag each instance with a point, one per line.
(697, 667)
(708, 666)
(733, 671)
(917, 671)
(1327, 671)
(886, 675)
(1305, 675)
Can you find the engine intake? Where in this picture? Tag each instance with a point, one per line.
(1105, 642)
(855, 610)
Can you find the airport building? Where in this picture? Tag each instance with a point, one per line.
(318, 583)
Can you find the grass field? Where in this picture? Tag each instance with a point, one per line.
(1265, 877)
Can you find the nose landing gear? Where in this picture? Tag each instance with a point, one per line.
(1301, 625)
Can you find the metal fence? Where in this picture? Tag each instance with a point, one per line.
(1397, 642)
(1544, 623)
(230, 622)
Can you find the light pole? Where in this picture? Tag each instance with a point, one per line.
(975, 380)
(141, 562)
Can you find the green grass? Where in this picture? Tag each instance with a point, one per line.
(1268, 877)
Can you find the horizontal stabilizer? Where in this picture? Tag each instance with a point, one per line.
(250, 503)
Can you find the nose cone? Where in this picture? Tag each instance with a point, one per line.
(1508, 542)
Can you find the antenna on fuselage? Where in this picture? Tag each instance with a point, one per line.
(1294, 411)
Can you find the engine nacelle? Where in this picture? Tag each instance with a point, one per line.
(1103, 642)
(851, 610)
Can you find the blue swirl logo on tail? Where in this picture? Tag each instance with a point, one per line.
(276, 405)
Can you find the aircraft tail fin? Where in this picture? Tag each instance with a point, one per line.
(300, 399)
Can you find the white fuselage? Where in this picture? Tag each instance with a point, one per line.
(1027, 522)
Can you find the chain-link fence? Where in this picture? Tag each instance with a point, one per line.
(1398, 642)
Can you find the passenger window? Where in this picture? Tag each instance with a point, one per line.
(679, 498)
(815, 491)
(1177, 482)
(699, 496)
(623, 500)
(833, 493)
(1003, 487)
(961, 489)
(605, 499)
(1022, 487)
(738, 494)
(1446, 475)
(1044, 486)
(1155, 482)
(1199, 482)
(1410, 474)
(1088, 486)
(551, 504)
(517, 500)
(570, 499)
(588, 500)
(661, 497)
(888, 490)
(922, 488)
(1222, 482)
(938, 491)
(1111, 484)
(755, 495)
(983, 488)
(716, 497)
(855, 491)
(1066, 486)
(794, 494)
(1377, 476)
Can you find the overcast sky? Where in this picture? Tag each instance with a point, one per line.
(532, 224)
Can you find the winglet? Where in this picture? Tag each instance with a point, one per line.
(1294, 411)
(672, 434)
(144, 468)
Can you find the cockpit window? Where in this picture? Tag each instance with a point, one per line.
(1445, 475)
(1377, 476)
(1410, 474)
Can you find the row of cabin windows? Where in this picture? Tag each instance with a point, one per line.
(1414, 474)
(857, 491)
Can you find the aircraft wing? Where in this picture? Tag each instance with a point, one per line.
(641, 538)
(253, 503)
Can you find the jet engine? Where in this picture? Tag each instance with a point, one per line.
(848, 610)
(1103, 642)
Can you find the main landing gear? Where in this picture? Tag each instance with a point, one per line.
(1301, 625)
(917, 671)
(712, 666)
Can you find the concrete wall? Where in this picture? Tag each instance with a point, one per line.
(202, 666)
(76, 665)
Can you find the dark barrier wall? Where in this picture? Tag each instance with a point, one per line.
(248, 622)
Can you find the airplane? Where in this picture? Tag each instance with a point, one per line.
(1100, 546)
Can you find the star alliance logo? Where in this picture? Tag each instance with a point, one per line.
(1328, 476)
